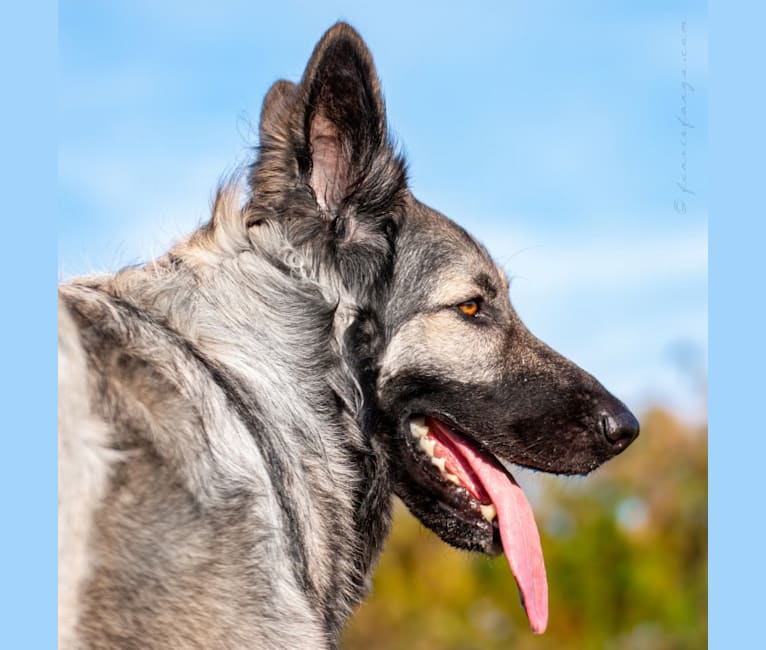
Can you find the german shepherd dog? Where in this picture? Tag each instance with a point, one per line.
(236, 416)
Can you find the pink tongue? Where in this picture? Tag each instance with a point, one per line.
(518, 532)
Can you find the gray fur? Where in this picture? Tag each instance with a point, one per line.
(231, 414)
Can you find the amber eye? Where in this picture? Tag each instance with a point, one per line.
(469, 307)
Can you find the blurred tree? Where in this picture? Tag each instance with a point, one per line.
(626, 551)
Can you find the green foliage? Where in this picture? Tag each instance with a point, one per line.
(625, 548)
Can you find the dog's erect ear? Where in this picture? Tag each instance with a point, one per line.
(329, 133)
(277, 106)
(344, 120)
(326, 161)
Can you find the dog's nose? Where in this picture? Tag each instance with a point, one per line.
(619, 427)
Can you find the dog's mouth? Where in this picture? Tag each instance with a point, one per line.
(472, 483)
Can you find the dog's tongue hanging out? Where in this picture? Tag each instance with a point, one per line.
(518, 531)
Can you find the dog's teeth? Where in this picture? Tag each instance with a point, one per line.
(427, 446)
(453, 478)
(418, 427)
(440, 463)
(489, 512)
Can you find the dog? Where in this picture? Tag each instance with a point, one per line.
(236, 415)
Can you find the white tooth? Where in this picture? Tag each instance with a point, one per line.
(453, 478)
(439, 462)
(418, 427)
(427, 446)
(488, 512)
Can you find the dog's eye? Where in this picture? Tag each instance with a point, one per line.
(469, 307)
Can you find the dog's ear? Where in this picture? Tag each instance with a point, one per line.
(326, 161)
(344, 125)
(276, 108)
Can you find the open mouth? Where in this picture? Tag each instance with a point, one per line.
(492, 495)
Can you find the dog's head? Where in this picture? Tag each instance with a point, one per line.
(457, 387)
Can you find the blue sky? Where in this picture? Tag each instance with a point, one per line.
(549, 130)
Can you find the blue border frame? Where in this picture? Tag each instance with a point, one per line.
(737, 231)
(737, 442)
(28, 467)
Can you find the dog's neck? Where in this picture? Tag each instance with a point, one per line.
(234, 304)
